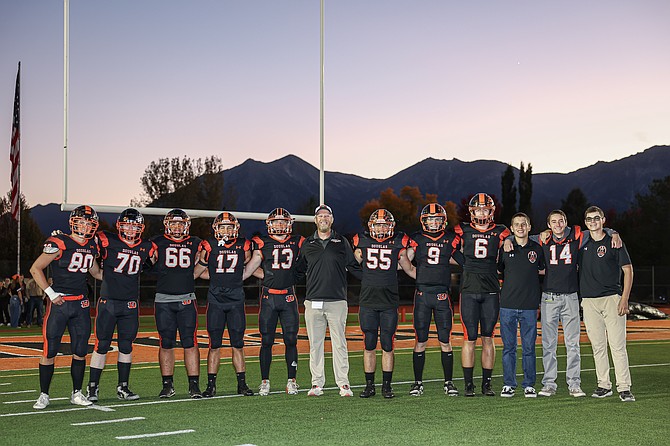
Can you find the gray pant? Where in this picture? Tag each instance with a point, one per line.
(563, 308)
(334, 316)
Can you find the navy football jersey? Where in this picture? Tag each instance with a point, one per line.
(480, 248)
(225, 261)
(432, 253)
(175, 264)
(69, 269)
(279, 260)
(121, 265)
(561, 257)
(380, 259)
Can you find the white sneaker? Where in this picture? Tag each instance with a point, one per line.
(314, 391)
(529, 392)
(577, 392)
(507, 392)
(42, 402)
(79, 399)
(292, 387)
(547, 391)
(345, 390)
(264, 388)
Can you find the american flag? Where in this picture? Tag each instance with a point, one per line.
(15, 152)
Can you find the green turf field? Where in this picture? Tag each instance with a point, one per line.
(279, 419)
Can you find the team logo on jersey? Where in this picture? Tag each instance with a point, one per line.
(442, 296)
(186, 302)
(132, 304)
(290, 298)
(85, 303)
(601, 251)
(532, 257)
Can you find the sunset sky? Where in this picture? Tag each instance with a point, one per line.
(560, 85)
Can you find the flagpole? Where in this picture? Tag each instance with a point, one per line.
(18, 215)
(66, 84)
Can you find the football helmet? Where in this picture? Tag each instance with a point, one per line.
(485, 202)
(130, 225)
(381, 224)
(279, 222)
(433, 218)
(226, 227)
(177, 222)
(84, 221)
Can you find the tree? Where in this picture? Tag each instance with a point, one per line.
(525, 189)
(32, 237)
(404, 207)
(642, 226)
(508, 195)
(574, 206)
(167, 175)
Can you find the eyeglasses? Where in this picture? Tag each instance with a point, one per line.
(593, 219)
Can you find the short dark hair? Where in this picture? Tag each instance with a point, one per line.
(520, 214)
(592, 209)
(557, 212)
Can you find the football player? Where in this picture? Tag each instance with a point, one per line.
(380, 251)
(71, 258)
(277, 253)
(175, 305)
(222, 259)
(432, 249)
(123, 255)
(480, 288)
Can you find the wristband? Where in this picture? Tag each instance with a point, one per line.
(52, 294)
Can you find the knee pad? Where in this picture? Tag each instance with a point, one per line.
(387, 342)
(167, 343)
(370, 340)
(188, 342)
(125, 346)
(236, 339)
(104, 346)
(291, 339)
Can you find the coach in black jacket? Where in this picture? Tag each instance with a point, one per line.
(326, 257)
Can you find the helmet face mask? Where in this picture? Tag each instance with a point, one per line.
(482, 209)
(177, 224)
(279, 222)
(226, 227)
(130, 225)
(381, 224)
(84, 222)
(433, 218)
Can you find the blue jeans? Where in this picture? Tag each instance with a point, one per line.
(14, 310)
(526, 320)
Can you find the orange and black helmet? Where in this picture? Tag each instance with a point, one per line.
(84, 221)
(226, 227)
(381, 224)
(279, 222)
(433, 218)
(130, 225)
(485, 202)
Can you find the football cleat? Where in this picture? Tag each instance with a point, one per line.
(79, 399)
(42, 402)
(167, 392)
(416, 389)
(450, 389)
(243, 389)
(264, 388)
(210, 391)
(92, 392)
(487, 390)
(292, 387)
(124, 393)
(387, 392)
(469, 389)
(194, 391)
(369, 390)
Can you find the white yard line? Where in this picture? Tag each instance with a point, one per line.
(157, 434)
(118, 420)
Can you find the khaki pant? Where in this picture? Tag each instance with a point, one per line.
(334, 316)
(603, 326)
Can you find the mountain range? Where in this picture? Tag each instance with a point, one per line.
(292, 183)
